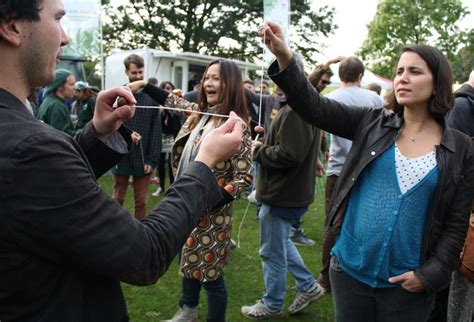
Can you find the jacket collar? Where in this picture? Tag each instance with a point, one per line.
(11, 102)
(447, 141)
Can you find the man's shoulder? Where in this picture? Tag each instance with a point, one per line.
(464, 104)
(21, 134)
(356, 96)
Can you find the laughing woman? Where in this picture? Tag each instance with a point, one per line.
(205, 253)
(407, 183)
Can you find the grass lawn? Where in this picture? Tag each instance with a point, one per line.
(243, 276)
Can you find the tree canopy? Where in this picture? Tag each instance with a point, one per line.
(213, 27)
(400, 22)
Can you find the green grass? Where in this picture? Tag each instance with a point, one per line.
(243, 276)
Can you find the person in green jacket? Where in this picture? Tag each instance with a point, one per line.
(53, 110)
(84, 103)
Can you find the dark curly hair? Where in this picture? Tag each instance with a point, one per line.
(20, 9)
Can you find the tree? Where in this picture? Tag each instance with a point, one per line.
(400, 22)
(213, 27)
(464, 60)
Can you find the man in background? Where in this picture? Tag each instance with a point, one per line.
(145, 155)
(53, 110)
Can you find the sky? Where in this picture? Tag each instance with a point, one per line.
(352, 18)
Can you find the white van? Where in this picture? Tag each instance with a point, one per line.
(178, 68)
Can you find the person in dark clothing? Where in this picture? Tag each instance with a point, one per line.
(84, 103)
(53, 110)
(462, 116)
(170, 126)
(65, 244)
(145, 155)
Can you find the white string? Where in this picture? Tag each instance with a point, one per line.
(184, 110)
(256, 137)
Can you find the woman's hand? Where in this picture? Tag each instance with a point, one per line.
(410, 282)
(274, 39)
(135, 86)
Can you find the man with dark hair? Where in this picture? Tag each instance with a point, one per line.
(65, 244)
(145, 154)
(250, 85)
(264, 88)
(374, 87)
(351, 71)
(153, 81)
(320, 77)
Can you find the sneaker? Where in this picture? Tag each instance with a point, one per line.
(184, 314)
(303, 299)
(299, 238)
(260, 311)
(157, 192)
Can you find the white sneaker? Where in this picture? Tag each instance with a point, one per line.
(260, 311)
(184, 314)
(157, 192)
(303, 299)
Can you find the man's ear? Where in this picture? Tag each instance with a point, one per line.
(12, 31)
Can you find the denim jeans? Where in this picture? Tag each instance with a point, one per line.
(357, 302)
(280, 255)
(216, 297)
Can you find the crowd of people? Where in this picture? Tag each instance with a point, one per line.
(398, 195)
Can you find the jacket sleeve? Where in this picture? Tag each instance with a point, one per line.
(435, 273)
(70, 221)
(102, 157)
(169, 100)
(326, 114)
(285, 153)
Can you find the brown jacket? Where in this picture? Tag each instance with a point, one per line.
(205, 253)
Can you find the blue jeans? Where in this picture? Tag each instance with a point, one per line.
(279, 256)
(216, 297)
(357, 302)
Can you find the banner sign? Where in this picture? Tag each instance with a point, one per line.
(82, 25)
(277, 11)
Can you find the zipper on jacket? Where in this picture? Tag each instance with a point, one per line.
(429, 226)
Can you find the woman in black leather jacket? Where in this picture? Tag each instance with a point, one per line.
(402, 202)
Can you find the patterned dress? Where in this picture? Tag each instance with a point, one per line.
(205, 253)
